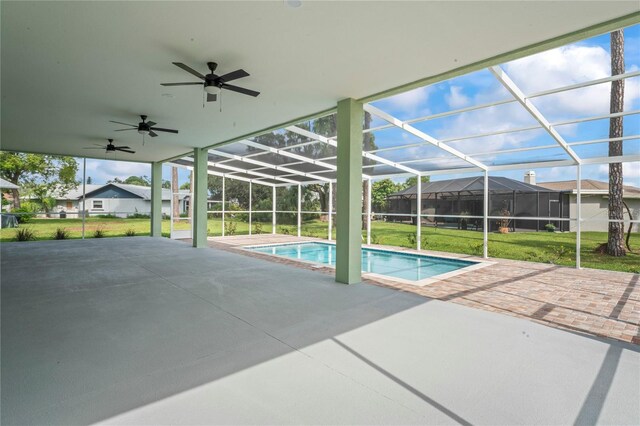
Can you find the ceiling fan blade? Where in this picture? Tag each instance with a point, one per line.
(124, 150)
(152, 134)
(188, 69)
(240, 90)
(159, 129)
(180, 84)
(211, 98)
(123, 146)
(93, 147)
(122, 130)
(120, 122)
(234, 75)
(151, 123)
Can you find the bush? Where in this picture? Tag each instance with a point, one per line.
(130, 233)
(411, 240)
(106, 216)
(257, 228)
(24, 234)
(24, 214)
(61, 234)
(98, 233)
(550, 227)
(230, 228)
(137, 215)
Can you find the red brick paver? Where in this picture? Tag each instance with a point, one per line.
(601, 303)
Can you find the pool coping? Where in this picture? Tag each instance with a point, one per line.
(477, 264)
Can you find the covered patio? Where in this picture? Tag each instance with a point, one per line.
(172, 335)
(149, 330)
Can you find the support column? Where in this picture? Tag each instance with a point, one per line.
(156, 199)
(330, 211)
(223, 202)
(273, 212)
(250, 205)
(84, 193)
(200, 157)
(418, 211)
(485, 214)
(349, 179)
(299, 208)
(578, 213)
(369, 211)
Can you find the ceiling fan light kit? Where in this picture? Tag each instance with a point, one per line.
(213, 83)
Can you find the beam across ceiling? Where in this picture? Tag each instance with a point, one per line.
(427, 138)
(508, 84)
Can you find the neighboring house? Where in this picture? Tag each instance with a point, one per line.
(5, 184)
(595, 202)
(118, 199)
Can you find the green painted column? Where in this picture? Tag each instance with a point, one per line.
(349, 196)
(200, 158)
(156, 199)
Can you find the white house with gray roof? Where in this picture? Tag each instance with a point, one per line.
(118, 199)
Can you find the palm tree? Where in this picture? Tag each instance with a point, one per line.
(615, 241)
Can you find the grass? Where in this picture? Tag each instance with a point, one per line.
(558, 248)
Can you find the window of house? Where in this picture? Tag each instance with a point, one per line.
(69, 204)
(97, 205)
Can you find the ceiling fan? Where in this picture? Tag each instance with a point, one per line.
(110, 147)
(144, 127)
(213, 83)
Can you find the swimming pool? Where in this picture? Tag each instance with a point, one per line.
(406, 266)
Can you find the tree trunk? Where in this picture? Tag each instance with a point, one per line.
(174, 190)
(615, 242)
(16, 198)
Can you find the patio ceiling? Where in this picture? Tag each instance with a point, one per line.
(70, 67)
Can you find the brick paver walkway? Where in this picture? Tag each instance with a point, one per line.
(601, 303)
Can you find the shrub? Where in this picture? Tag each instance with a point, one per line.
(137, 215)
(130, 233)
(106, 216)
(98, 233)
(376, 239)
(230, 228)
(61, 234)
(257, 228)
(24, 214)
(24, 234)
(411, 240)
(556, 253)
(284, 230)
(550, 227)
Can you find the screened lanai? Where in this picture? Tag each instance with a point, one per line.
(459, 203)
(499, 121)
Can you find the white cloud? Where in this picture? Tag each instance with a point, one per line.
(555, 68)
(565, 66)
(103, 170)
(630, 173)
(413, 102)
(456, 99)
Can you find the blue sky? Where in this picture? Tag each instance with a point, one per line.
(579, 62)
(582, 61)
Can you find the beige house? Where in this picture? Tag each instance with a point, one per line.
(595, 202)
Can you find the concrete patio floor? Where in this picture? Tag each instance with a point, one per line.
(152, 331)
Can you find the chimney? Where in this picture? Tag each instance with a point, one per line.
(530, 177)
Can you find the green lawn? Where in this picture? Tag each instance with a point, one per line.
(545, 247)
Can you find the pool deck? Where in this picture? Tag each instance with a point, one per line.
(596, 302)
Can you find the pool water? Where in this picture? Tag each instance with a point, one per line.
(407, 266)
